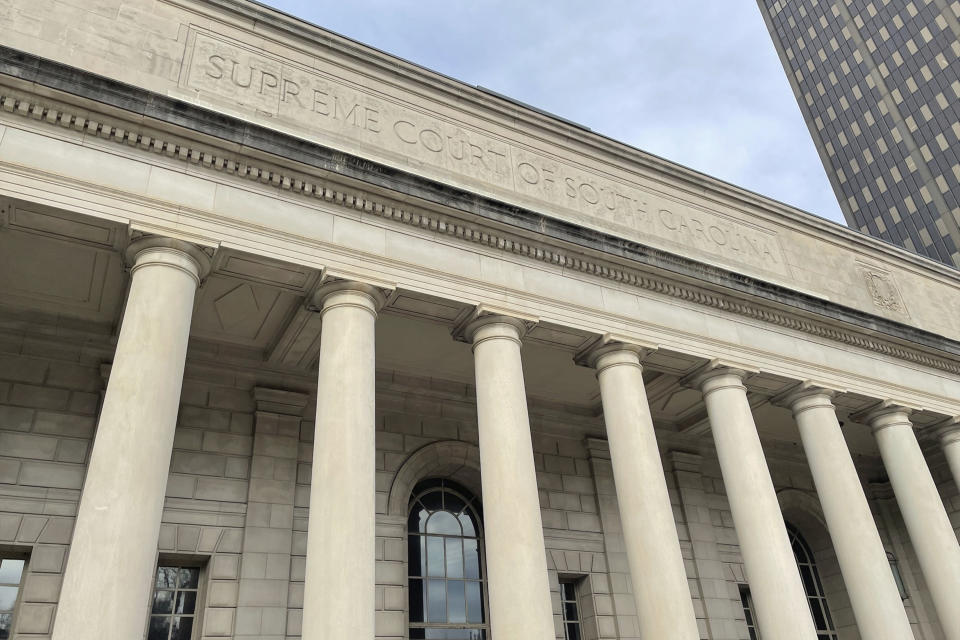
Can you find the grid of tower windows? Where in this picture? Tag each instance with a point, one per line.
(879, 84)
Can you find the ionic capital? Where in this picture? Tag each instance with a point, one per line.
(169, 252)
(611, 350)
(485, 322)
(716, 375)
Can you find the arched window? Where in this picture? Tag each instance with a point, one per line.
(816, 597)
(445, 564)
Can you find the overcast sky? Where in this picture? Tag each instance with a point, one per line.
(697, 82)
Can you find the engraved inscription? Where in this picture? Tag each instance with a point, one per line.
(334, 111)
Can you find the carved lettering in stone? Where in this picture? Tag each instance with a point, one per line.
(331, 110)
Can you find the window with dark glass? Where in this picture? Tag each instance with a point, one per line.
(445, 564)
(12, 569)
(816, 597)
(748, 614)
(173, 611)
(569, 599)
(897, 577)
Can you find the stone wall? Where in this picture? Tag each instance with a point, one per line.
(238, 496)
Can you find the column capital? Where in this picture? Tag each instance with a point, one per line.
(717, 374)
(280, 401)
(684, 461)
(335, 292)
(613, 349)
(886, 413)
(948, 431)
(806, 395)
(598, 448)
(171, 252)
(486, 321)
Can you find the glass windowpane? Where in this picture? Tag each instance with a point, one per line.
(162, 602)
(159, 628)
(474, 602)
(573, 631)
(6, 624)
(166, 577)
(416, 601)
(189, 578)
(186, 602)
(8, 598)
(444, 522)
(434, 556)
(454, 549)
(456, 601)
(467, 523)
(436, 601)
(11, 570)
(182, 628)
(471, 559)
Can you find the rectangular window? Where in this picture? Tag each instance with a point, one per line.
(747, 603)
(572, 629)
(12, 571)
(175, 602)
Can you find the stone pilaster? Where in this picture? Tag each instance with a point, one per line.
(265, 565)
(614, 585)
(716, 594)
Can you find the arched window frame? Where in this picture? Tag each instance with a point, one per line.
(810, 576)
(466, 505)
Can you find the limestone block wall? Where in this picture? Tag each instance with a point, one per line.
(207, 490)
(239, 485)
(49, 397)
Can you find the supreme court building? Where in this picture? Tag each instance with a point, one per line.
(301, 340)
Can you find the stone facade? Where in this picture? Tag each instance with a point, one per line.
(238, 329)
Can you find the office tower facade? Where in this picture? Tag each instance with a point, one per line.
(879, 86)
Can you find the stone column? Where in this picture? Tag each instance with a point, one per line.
(931, 533)
(519, 590)
(863, 561)
(778, 594)
(949, 433)
(340, 588)
(660, 587)
(109, 575)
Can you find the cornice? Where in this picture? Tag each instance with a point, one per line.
(558, 252)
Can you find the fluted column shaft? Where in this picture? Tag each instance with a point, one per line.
(660, 587)
(109, 574)
(778, 595)
(340, 586)
(931, 533)
(863, 561)
(519, 591)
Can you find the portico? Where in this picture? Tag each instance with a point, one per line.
(344, 387)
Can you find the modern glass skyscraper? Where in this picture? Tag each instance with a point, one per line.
(878, 82)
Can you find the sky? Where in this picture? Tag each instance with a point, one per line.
(697, 82)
